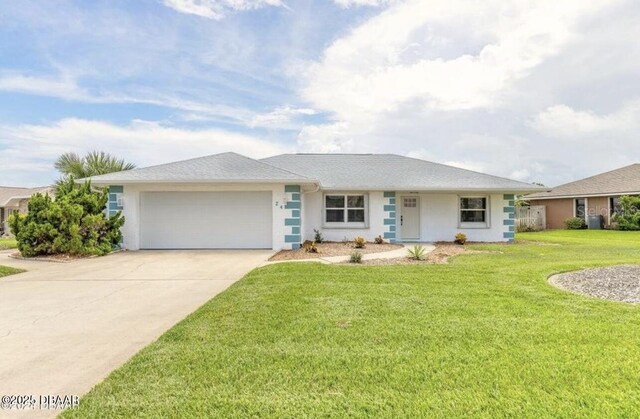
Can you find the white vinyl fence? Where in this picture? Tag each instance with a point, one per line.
(533, 217)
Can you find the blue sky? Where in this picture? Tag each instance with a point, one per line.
(533, 90)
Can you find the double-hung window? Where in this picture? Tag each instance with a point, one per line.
(345, 210)
(474, 211)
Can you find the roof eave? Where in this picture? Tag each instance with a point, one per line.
(567, 196)
(186, 181)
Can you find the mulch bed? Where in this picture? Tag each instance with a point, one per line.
(616, 283)
(327, 249)
(440, 255)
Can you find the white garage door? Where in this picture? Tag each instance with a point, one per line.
(205, 220)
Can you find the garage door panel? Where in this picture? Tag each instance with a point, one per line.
(206, 220)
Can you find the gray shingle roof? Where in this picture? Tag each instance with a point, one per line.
(616, 182)
(224, 167)
(391, 172)
(8, 193)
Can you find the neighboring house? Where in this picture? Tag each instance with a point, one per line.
(231, 201)
(16, 200)
(595, 195)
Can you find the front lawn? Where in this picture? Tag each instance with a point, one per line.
(6, 243)
(484, 335)
(5, 271)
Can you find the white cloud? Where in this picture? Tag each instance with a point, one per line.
(33, 148)
(371, 3)
(369, 71)
(564, 121)
(62, 87)
(283, 117)
(217, 9)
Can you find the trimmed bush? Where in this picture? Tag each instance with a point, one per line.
(74, 223)
(575, 223)
(460, 238)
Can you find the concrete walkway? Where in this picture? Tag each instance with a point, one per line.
(65, 326)
(392, 254)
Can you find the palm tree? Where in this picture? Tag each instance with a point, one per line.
(94, 163)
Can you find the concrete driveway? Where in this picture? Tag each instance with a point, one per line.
(65, 326)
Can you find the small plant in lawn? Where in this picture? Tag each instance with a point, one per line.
(310, 247)
(575, 223)
(417, 253)
(318, 238)
(378, 240)
(359, 242)
(356, 257)
(461, 238)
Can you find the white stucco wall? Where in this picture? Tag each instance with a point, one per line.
(438, 218)
(312, 217)
(131, 209)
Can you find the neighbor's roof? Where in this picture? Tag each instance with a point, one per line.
(10, 193)
(391, 172)
(224, 167)
(616, 182)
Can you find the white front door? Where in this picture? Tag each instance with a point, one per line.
(410, 218)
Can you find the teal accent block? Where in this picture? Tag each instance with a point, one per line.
(392, 240)
(292, 188)
(295, 246)
(512, 203)
(116, 189)
(293, 238)
(509, 209)
(512, 228)
(389, 207)
(112, 197)
(389, 194)
(114, 206)
(389, 235)
(509, 235)
(508, 197)
(292, 221)
(512, 215)
(392, 201)
(293, 205)
(389, 221)
(392, 228)
(509, 222)
(295, 230)
(392, 215)
(295, 213)
(295, 197)
(112, 213)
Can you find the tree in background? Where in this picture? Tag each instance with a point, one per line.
(94, 163)
(628, 218)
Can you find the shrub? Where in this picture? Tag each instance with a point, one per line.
(356, 257)
(318, 238)
(417, 253)
(523, 228)
(74, 223)
(575, 223)
(461, 238)
(378, 240)
(628, 218)
(359, 242)
(310, 247)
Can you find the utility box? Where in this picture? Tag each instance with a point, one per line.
(595, 222)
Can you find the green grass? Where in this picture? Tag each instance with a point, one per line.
(483, 336)
(8, 244)
(6, 271)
